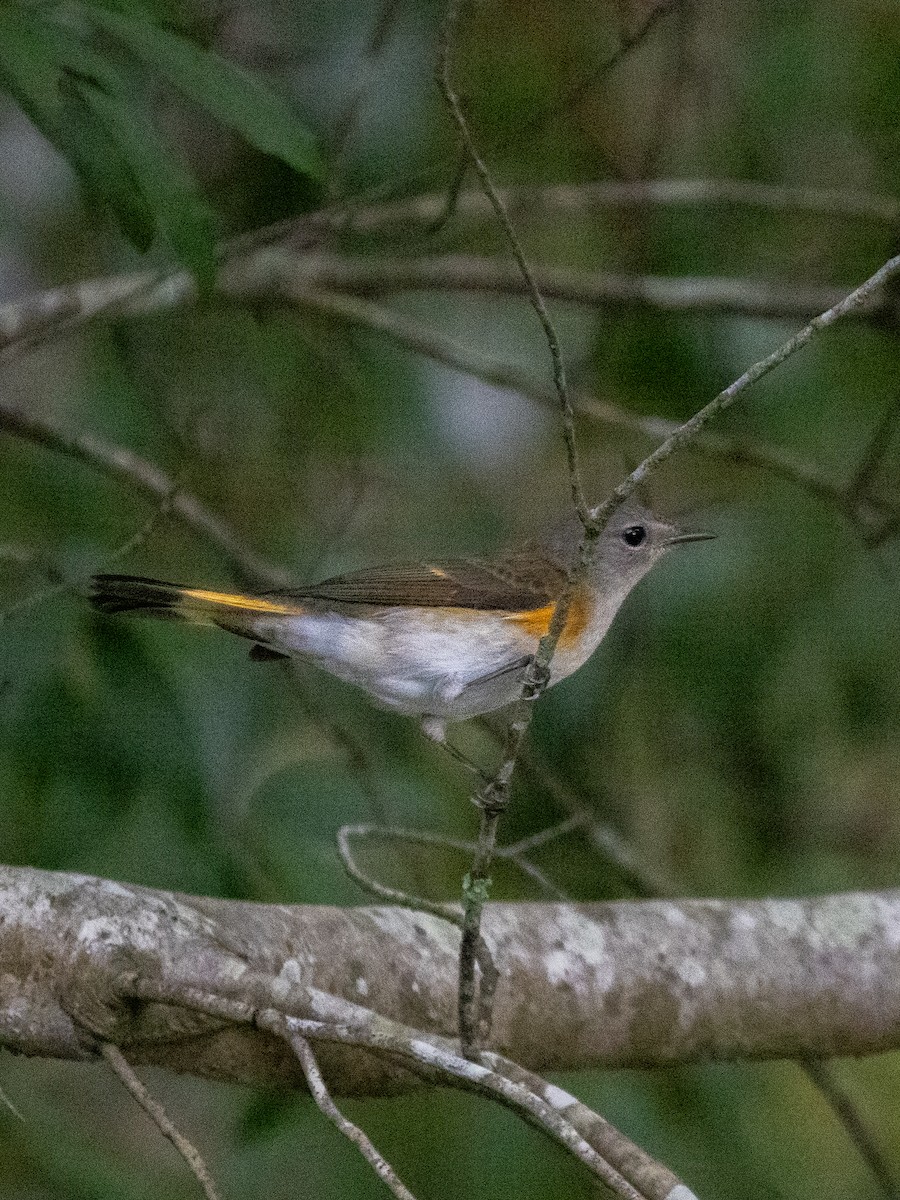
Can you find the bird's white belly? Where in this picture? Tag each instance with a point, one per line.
(451, 663)
(411, 660)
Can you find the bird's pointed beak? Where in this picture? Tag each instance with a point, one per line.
(689, 535)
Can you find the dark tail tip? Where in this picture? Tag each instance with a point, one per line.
(131, 593)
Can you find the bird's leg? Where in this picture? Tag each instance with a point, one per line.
(435, 729)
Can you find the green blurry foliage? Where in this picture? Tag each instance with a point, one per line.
(93, 103)
(740, 723)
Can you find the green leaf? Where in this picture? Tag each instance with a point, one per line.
(184, 218)
(30, 69)
(233, 95)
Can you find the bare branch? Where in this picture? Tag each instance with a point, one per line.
(25, 324)
(455, 355)
(584, 198)
(436, 1060)
(524, 271)
(379, 274)
(123, 464)
(634, 983)
(155, 1111)
(353, 1133)
(651, 1177)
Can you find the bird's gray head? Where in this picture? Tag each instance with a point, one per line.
(631, 543)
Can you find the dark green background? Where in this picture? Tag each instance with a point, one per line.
(740, 724)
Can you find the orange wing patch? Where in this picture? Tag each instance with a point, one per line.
(536, 622)
(233, 600)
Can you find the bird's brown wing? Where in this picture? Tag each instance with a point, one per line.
(515, 584)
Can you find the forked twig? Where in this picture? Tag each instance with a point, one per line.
(492, 799)
(436, 1060)
(515, 853)
(353, 1133)
(68, 584)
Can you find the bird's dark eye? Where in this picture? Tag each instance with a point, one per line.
(634, 535)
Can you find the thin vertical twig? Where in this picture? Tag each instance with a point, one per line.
(320, 1093)
(120, 1066)
(348, 118)
(493, 798)
(454, 104)
(843, 1106)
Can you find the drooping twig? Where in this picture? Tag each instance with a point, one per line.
(322, 1096)
(459, 357)
(436, 1060)
(446, 910)
(119, 1064)
(137, 472)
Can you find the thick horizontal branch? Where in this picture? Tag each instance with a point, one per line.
(637, 983)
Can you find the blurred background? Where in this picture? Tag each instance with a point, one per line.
(739, 727)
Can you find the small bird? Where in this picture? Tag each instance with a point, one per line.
(442, 640)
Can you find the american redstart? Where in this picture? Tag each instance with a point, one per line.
(441, 640)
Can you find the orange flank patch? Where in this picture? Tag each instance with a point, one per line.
(234, 600)
(536, 622)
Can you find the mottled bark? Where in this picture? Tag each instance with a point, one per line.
(581, 986)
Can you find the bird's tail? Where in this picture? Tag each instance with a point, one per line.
(153, 598)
